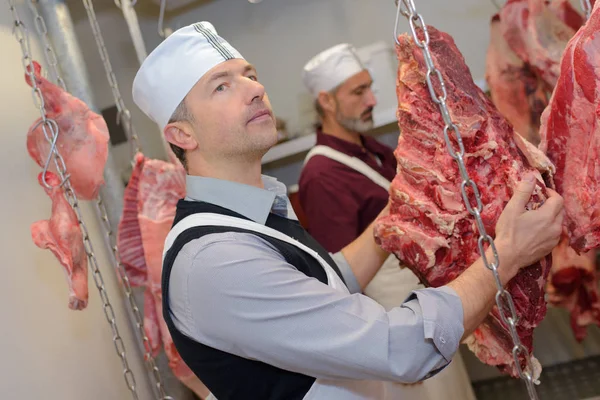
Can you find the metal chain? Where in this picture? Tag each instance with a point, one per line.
(51, 131)
(123, 113)
(139, 322)
(100, 208)
(504, 300)
(40, 26)
(586, 6)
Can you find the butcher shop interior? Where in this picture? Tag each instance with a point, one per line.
(396, 148)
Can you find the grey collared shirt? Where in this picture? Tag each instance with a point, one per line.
(235, 292)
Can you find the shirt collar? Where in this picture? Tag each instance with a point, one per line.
(347, 147)
(251, 202)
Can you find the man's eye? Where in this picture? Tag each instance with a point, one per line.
(253, 77)
(220, 88)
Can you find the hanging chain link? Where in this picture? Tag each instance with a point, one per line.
(586, 6)
(139, 322)
(51, 131)
(40, 26)
(123, 113)
(100, 208)
(504, 300)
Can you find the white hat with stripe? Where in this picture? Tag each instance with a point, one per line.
(171, 70)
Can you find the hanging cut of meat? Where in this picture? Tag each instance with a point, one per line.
(571, 135)
(573, 284)
(82, 141)
(429, 228)
(538, 32)
(516, 90)
(149, 206)
(129, 237)
(62, 236)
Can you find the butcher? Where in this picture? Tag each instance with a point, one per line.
(345, 182)
(256, 307)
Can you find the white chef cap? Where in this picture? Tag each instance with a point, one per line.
(330, 68)
(168, 73)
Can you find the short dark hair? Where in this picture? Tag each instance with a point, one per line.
(181, 114)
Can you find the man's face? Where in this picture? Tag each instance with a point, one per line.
(232, 113)
(355, 102)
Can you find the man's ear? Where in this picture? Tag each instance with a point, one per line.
(181, 135)
(327, 102)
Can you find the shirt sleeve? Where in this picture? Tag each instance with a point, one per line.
(333, 218)
(245, 299)
(347, 273)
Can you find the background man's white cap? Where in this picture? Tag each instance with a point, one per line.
(175, 66)
(330, 68)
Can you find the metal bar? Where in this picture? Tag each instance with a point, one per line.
(140, 48)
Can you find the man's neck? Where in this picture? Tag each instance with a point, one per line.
(333, 128)
(247, 173)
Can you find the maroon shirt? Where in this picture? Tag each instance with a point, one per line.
(339, 202)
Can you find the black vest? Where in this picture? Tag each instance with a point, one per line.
(227, 376)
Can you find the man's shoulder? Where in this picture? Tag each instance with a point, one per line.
(214, 248)
(322, 168)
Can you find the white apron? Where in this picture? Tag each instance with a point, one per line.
(390, 287)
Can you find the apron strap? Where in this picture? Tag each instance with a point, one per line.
(211, 219)
(352, 162)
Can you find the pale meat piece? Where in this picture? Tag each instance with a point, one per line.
(535, 31)
(82, 140)
(515, 89)
(62, 236)
(429, 228)
(573, 284)
(151, 198)
(570, 135)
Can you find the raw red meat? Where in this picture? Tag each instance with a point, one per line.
(82, 141)
(129, 237)
(62, 236)
(573, 284)
(428, 228)
(538, 32)
(150, 200)
(571, 135)
(516, 91)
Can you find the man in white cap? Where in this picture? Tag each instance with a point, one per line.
(344, 183)
(257, 309)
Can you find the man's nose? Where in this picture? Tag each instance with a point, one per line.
(256, 91)
(370, 99)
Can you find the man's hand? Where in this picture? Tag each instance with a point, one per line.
(524, 237)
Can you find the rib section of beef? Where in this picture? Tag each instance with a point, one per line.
(571, 135)
(429, 228)
(150, 200)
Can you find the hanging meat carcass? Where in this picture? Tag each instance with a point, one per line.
(150, 200)
(571, 139)
(429, 228)
(573, 284)
(82, 141)
(571, 135)
(538, 32)
(62, 236)
(518, 93)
